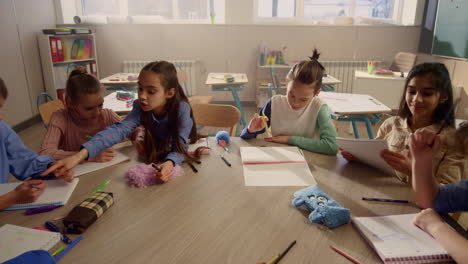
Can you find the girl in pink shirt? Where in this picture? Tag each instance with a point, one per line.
(82, 118)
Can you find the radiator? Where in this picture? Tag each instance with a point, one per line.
(344, 71)
(189, 67)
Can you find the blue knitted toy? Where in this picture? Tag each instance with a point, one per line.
(324, 210)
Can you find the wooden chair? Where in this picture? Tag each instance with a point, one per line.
(217, 115)
(46, 110)
(403, 62)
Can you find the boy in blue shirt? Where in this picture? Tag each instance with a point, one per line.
(20, 161)
(443, 199)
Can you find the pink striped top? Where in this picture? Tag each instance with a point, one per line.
(66, 132)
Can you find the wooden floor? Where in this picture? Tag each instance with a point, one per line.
(31, 136)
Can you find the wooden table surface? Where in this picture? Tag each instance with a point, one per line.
(211, 217)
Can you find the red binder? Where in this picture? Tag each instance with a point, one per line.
(60, 50)
(54, 50)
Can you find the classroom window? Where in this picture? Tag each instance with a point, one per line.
(186, 10)
(318, 10)
(101, 7)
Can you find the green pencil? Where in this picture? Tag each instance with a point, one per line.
(100, 187)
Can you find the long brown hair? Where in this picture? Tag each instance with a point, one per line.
(308, 71)
(157, 151)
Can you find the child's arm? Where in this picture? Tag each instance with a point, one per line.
(22, 161)
(114, 134)
(326, 144)
(423, 181)
(24, 193)
(257, 124)
(456, 245)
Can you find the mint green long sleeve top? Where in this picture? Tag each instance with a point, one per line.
(325, 143)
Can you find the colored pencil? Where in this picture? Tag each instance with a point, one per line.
(346, 255)
(384, 200)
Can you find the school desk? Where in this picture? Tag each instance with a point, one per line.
(211, 217)
(118, 106)
(218, 84)
(387, 88)
(355, 108)
(120, 81)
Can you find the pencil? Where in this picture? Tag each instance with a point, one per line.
(225, 161)
(156, 167)
(275, 258)
(285, 252)
(384, 200)
(346, 255)
(193, 168)
(267, 129)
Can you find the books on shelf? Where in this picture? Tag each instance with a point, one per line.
(63, 50)
(66, 31)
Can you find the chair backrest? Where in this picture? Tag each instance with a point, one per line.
(46, 110)
(217, 115)
(403, 62)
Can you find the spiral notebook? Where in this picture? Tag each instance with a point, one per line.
(16, 240)
(57, 192)
(397, 240)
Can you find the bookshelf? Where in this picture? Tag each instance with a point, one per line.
(264, 78)
(76, 50)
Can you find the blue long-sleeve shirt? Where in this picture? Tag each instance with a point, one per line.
(326, 144)
(452, 198)
(120, 130)
(16, 159)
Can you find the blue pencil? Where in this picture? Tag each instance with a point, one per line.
(59, 256)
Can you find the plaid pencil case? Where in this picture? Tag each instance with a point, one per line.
(87, 212)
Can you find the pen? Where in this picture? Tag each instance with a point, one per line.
(156, 167)
(32, 185)
(52, 227)
(100, 187)
(225, 161)
(193, 168)
(346, 255)
(57, 258)
(384, 200)
(271, 261)
(285, 252)
(41, 209)
(56, 252)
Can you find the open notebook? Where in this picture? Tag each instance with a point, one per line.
(397, 240)
(57, 192)
(94, 166)
(16, 240)
(275, 166)
(367, 151)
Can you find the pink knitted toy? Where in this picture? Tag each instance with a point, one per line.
(142, 175)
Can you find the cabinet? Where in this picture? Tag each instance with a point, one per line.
(270, 75)
(60, 54)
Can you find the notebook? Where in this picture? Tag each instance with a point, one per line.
(57, 193)
(16, 240)
(202, 142)
(367, 151)
(397, 240)
(88, 167)
(275, 166)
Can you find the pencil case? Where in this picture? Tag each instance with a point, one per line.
(87, 212)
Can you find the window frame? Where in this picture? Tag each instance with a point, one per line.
(299, 19)
(123, 16)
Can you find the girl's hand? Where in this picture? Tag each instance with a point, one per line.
(166, 171)
(64, 168)
(428, 220)
(348, 156)
(278, 139)
(26, 193)
(423, 144)
(105, 156)
(256, 124)
(397, 160)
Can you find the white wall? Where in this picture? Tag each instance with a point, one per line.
(234, 48)
(20, 67)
